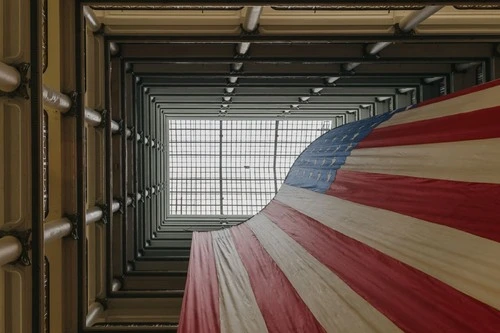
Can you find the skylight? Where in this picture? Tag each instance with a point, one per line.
(233, 167)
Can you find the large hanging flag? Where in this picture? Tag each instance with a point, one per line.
(387, 224)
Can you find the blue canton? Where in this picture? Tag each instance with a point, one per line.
(315, 169)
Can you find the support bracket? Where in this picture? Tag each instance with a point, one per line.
(254, 32)
(400, 32)
(105, 215)
(73, 95)
(74, 225)
(134, 199)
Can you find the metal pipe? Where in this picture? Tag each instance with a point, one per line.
(432, 79)
(114, 49)
(94, 311)
(128, 132)
(92, 117)
(252, 18)
(139, 196)
(407, 24)
(115, 127)
(56, 229)
(129, 201)
(56, 100)
(465, 66)
(94, 214)
(116, 285)
(411, 21)
(405, 90)
(237, 66)
(373, 49)
(242, 48)
(10, 249)
(332, 79)
(10, 78)
(350, 66)
(92, 21)
(249, 25)
(115, 206)
(138, 137)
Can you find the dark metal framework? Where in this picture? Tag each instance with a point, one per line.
(146, 250)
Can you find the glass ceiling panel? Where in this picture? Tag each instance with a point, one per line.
(233, 167)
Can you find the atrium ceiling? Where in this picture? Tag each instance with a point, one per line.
(209, 69)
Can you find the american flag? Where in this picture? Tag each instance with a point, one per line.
(388, 224)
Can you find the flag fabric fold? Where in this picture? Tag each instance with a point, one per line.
(388, 224)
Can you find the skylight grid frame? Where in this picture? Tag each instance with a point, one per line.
(232, 167)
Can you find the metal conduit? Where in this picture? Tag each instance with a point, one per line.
(92, 117)
(407, 24)
(115, 206)
(56, 229)
(116, 285)
(405, 90)
(251, 22)
(115, 127)
(10, 78)
(114, 48)
(56, 100)
(10, 249)
(465, 66)
(94, 214)
(432, 79)
(92, 21)
(95, 309)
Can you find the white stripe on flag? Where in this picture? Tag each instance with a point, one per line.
(481, 99)
(466, 262)
(469, 161)
(334, 304)
(239, 311)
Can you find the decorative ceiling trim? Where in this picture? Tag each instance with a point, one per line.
(483, 7)
(163, 7)
(353, 7)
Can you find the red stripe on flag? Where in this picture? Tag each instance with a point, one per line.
(463, 92)
(470, 207)
(200, 306)
(283, 311)
(475, 125)
(413, 300)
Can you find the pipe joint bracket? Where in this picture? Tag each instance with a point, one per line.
(24, 237)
